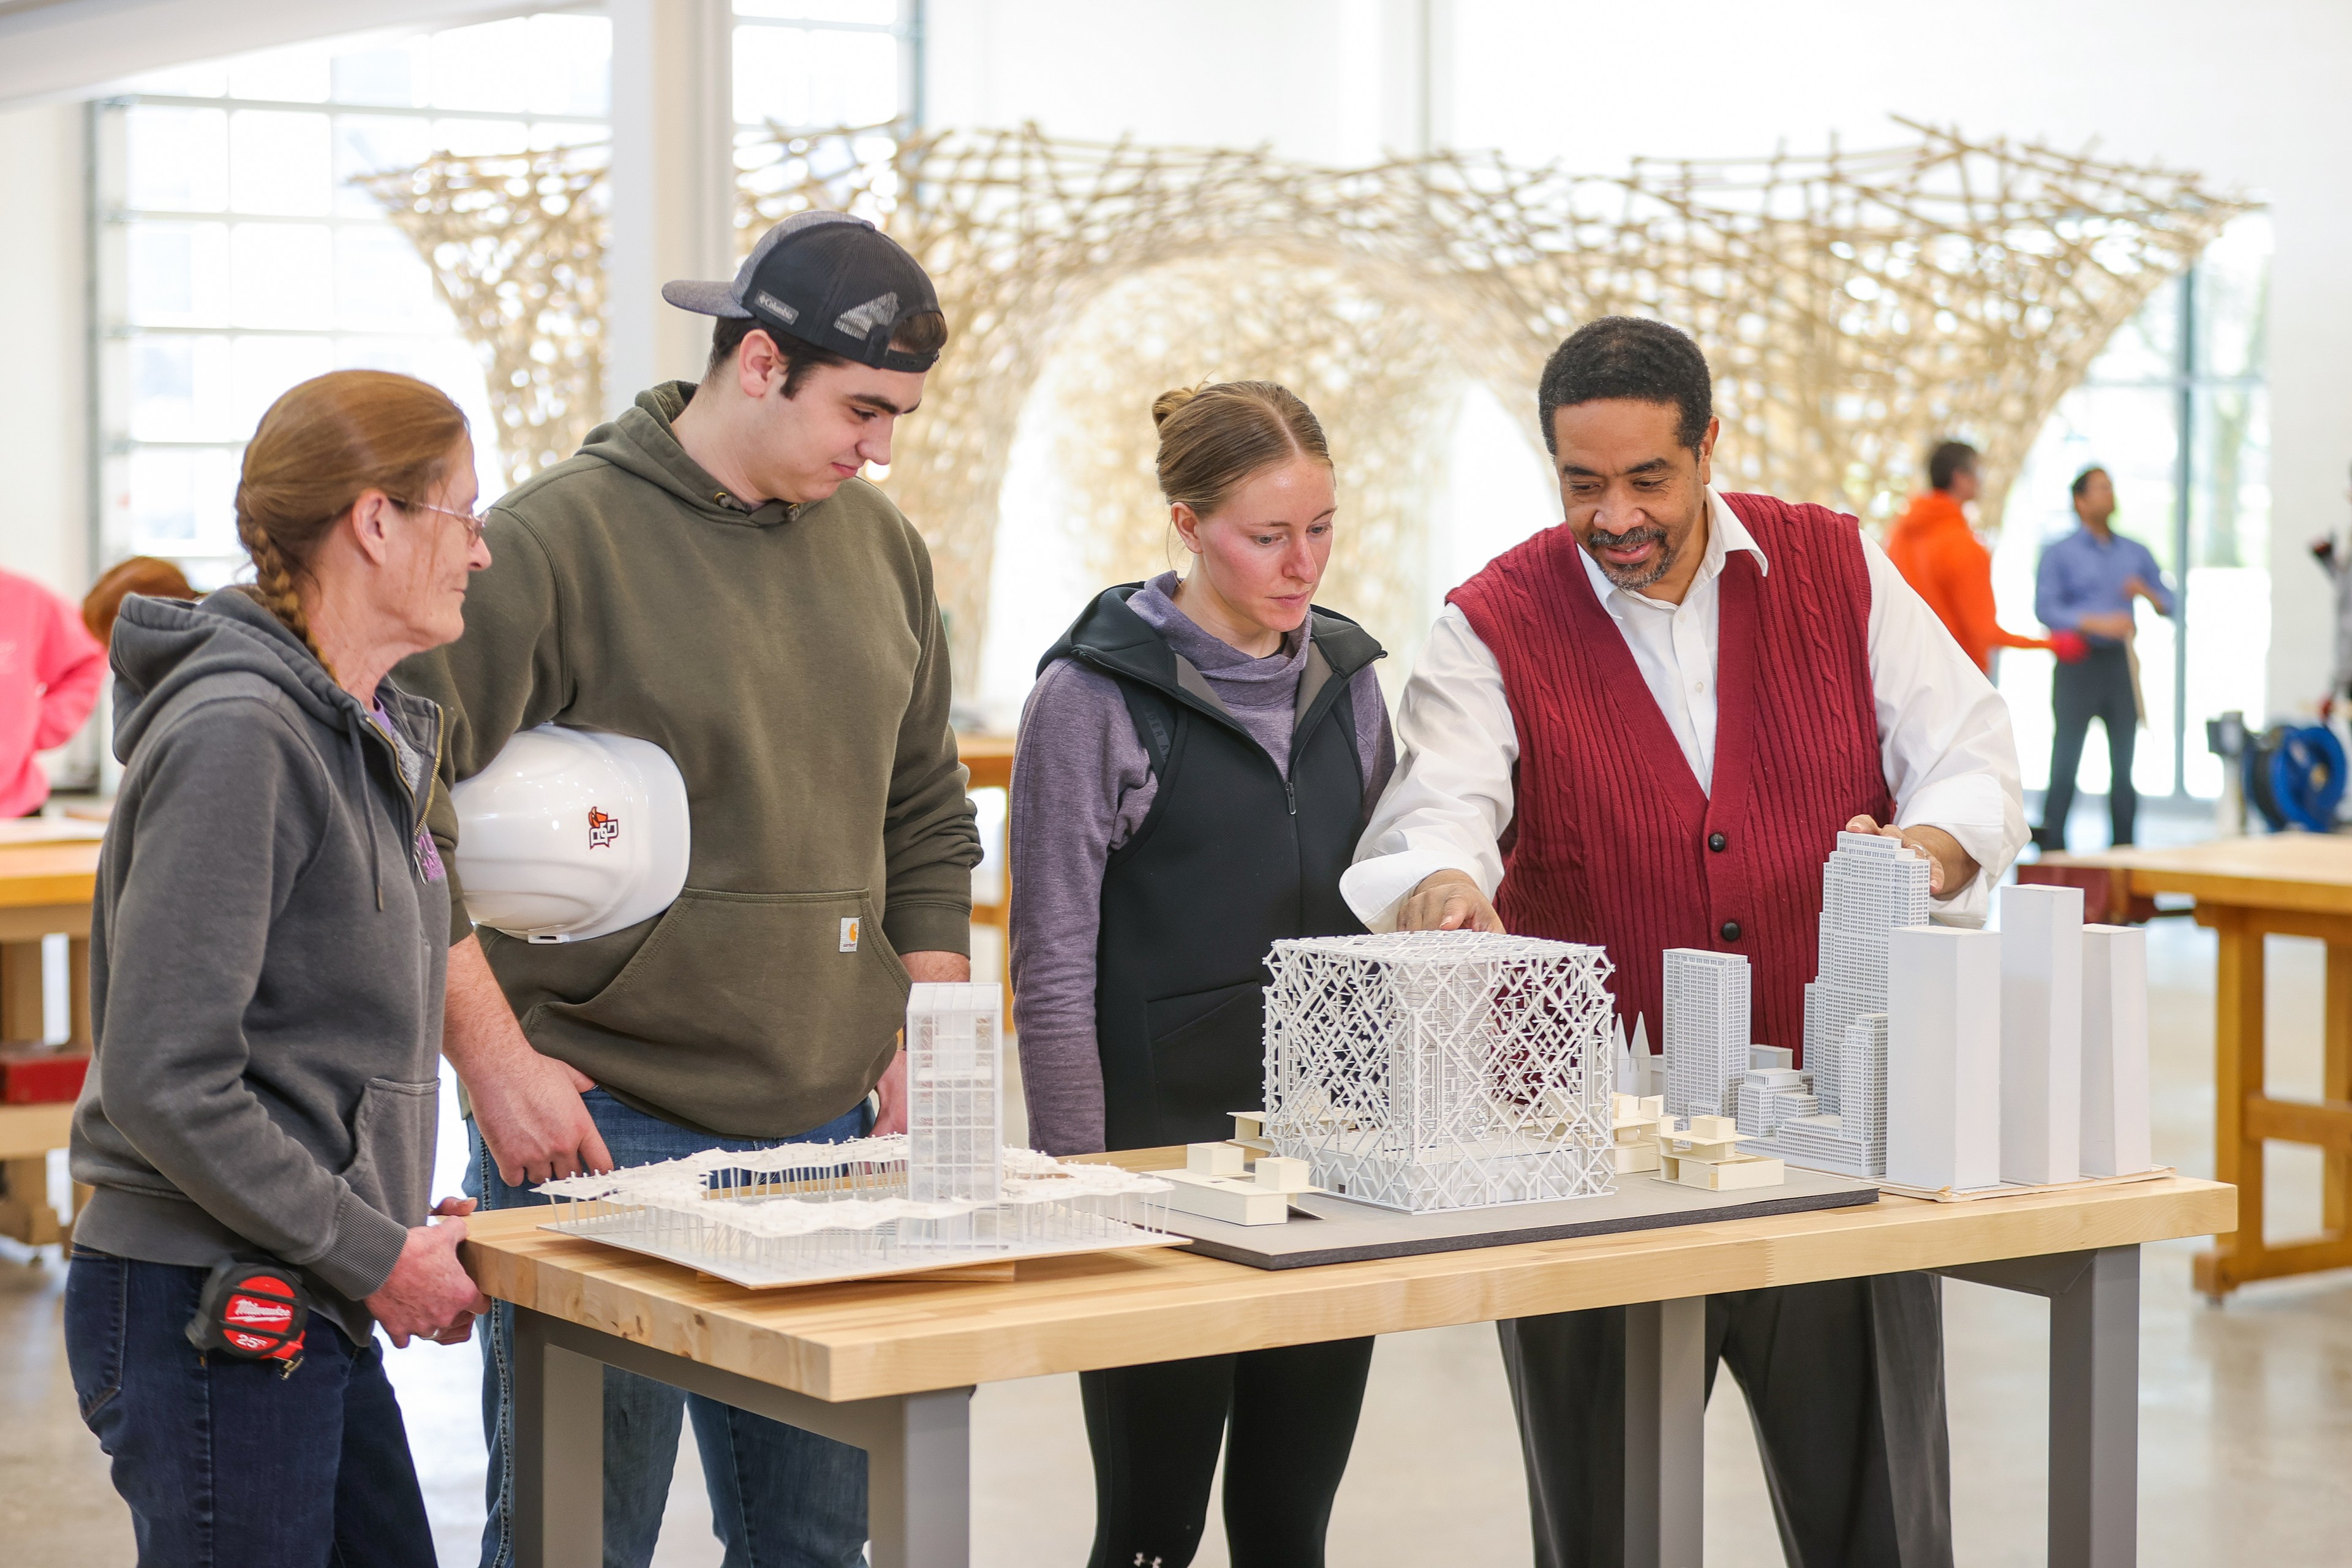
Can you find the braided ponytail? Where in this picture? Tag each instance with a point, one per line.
(321, 446)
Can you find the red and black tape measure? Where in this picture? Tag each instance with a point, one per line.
(252, 1309)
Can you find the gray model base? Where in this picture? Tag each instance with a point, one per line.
(1339, 1231)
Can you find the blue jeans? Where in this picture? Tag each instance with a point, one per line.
(230, 1461)
(780, 1497)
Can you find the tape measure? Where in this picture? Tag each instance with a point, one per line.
(253, 1309)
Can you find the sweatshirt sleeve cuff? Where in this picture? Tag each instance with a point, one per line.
(365, 1249)
(461, 924)
(928, 928)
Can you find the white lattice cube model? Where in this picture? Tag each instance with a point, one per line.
(1441, 1069)
(1706, 1031)
(955, 1092)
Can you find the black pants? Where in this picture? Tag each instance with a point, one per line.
(1286, 1418)
(1845, 1379)
(2099, 686)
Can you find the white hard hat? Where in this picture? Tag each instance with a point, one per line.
(571, 834)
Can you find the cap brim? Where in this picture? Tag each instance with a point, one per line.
(705, 299)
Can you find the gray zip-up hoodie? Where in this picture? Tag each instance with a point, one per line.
(266, 956)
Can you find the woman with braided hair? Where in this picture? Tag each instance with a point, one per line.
(266, 986)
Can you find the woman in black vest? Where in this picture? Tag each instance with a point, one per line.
(1196, 763)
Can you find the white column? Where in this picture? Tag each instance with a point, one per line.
(1943, 1056)
(2115, 1051)
(2040, 1034)
(673, 185)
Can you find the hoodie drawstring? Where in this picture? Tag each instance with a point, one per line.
(358, 760)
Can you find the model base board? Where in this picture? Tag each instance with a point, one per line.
(1327, 1228)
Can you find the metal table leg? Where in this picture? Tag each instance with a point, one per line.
(1666, 1433)
(2093, 1397)
(918, 1447)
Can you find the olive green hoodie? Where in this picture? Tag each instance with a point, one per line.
(792, 662)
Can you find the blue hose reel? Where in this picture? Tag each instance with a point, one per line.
(2294, 777)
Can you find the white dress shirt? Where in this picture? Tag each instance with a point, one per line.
(1943, 734)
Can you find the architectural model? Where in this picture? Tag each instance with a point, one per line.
(944, 1192)
(1706, 1030)
(1423, 1070)
(2040, 1034)
(1219, 1180)
(1706, 1154)
(2115, 1051)
(1634, 1123)
(1943, 1067)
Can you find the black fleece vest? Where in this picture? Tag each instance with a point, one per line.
(1230, 859)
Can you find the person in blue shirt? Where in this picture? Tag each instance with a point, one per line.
(2086, 584)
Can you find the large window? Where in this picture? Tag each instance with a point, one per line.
(238, 257)
(2177, 414)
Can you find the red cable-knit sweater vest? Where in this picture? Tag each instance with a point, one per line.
(1613, 841)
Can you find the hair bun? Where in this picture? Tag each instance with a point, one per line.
(1168, 401)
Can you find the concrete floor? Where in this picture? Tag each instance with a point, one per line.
(2245, 1433)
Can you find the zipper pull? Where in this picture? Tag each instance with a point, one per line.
(1290, 791)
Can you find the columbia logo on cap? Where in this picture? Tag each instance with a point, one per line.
(768, 302)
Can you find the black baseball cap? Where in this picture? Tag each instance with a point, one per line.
(828, 278)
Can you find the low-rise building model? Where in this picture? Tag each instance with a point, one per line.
(945, 1193)
(1423, 1070)
(1706, 1154)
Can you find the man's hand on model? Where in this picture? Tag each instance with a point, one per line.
(1949, 867)
(429, 1295)
(527, 1106)
(1448, 901)
(890, 1094)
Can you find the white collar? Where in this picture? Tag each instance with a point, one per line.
(1725, 533)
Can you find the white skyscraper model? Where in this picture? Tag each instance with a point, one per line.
(1943, 1057)
(1706, 1031)
(955, 1092)
(1871, 886)
(2040, 1034)
(2115, 1051)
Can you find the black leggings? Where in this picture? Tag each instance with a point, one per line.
(1155, 1431)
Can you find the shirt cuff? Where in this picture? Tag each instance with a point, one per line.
(1375, 887)
(1972, 810)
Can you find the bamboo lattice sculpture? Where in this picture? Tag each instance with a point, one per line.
(1854, 305)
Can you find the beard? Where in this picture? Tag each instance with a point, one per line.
(1631, 578)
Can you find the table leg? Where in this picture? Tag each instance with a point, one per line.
(1666, 1433)
(2093, 1397)
(21, 1013)
(918, 1447)
(559, 1450)
(2335, 1183)
(2238, 1071)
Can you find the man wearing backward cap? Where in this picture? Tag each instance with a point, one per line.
(710, 574)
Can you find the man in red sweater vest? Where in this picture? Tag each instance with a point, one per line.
(1668, 707)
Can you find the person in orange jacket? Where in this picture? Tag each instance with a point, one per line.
(1938, 554)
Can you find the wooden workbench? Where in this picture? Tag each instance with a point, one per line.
(2287, 884)
(45, 887)
(888, 1367)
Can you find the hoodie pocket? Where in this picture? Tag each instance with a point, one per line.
(393, 1146)
(727, 978)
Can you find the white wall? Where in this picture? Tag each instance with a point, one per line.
(2250, 96)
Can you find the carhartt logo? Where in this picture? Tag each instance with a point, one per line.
(849, 934)
(604, 827)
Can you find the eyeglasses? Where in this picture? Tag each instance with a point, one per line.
(475, 521)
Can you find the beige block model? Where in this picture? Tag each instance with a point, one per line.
(1215, 1158)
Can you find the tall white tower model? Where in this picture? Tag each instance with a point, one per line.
(2115, 1051)
(2040, 1034)
(1706, 1031)
(1943, 1057)
(1870, 887)
(955, 1092)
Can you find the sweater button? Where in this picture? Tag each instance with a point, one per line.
(1730, 930)
(1716, 841)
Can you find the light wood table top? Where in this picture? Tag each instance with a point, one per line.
(873, 1338)
(2308, 872)
(39, 875)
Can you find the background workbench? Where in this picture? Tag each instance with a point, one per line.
(46, 888)
(887, 1366)
(2286, 884)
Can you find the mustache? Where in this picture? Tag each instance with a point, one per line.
(1647, 533)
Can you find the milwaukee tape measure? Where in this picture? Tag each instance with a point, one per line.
(251, 1310)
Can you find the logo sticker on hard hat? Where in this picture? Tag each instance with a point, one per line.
(602, 828)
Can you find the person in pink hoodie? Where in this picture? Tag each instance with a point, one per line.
(49, 670)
